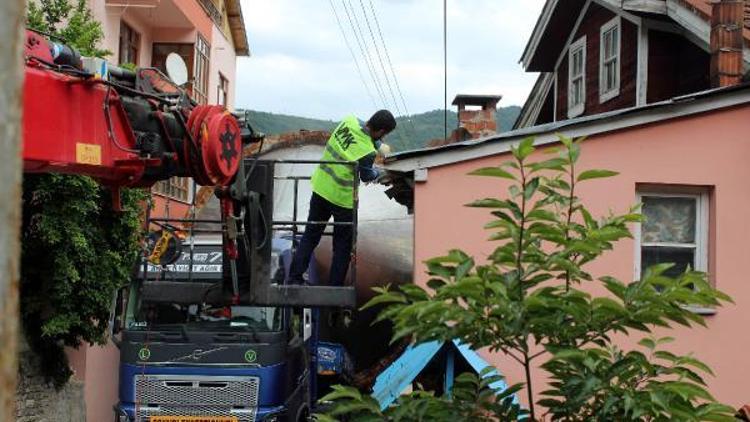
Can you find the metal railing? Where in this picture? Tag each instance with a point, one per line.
(293, 224)
(265, 293)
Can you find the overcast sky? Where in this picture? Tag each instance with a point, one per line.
(300, 64)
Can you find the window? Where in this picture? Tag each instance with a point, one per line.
(222, 95)
(176, 188)
(130, 42)
(675, 229)
(609, 60)
(577, 77)
(200, 68)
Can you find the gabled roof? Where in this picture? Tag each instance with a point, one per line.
(687, 105)
(533, 105)
(551, 21)
(558, 18)
(237, 27)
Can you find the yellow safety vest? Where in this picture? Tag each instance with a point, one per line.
(335, 182)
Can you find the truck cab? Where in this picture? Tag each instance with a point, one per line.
(183, 358)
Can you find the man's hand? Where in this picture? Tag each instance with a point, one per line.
(384, 177)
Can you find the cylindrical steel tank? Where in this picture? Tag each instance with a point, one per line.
(384, 230)
(384, 246)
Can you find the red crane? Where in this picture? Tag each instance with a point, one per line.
(123, 128)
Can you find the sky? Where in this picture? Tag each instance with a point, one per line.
(300, 63)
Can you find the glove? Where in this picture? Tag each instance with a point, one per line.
(384, 177)
(384, 149)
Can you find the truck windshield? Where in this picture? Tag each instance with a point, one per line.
(206, 263)
(168, 316)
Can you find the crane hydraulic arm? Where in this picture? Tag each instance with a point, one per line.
(124, 128)
(133, 128)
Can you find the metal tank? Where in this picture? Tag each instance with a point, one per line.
(385, 247)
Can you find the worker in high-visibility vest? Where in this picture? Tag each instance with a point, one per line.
(332, 184)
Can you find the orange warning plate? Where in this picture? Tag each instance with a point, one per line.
(193, 419)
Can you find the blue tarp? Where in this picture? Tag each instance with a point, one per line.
(399, 375)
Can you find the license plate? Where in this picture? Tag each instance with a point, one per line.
(193, 419)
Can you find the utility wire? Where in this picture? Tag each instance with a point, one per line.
(365, 52)
(354, 56)
(380, 59)
(393, 72)
(445, 69)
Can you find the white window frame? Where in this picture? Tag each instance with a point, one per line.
(604, 96)
(575, 110)
(701, 232)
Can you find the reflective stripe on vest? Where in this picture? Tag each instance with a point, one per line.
(347, 143)
(339, 181)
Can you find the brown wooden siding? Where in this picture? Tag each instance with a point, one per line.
(676, 66)
(596, 16)
(547, 113)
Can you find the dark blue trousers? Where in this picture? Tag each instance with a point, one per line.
(322, 210)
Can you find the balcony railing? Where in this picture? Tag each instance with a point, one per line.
(213, 12)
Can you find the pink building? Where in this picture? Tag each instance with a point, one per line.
(656, 87)
(209, 35)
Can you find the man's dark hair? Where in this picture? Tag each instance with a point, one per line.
(382, 119)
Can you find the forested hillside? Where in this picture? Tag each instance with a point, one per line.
(411, 133)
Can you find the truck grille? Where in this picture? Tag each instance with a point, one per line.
(172, 395)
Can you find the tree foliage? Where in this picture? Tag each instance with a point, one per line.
(76, 250)
(413, 132)
(69, 20)
(473, 399)
(531, 301)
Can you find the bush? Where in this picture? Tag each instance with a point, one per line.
(76, 250)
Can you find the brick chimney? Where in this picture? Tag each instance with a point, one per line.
(477, 123)
(727, 21)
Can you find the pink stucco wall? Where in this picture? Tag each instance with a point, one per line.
(111, 18)
(223, 59)
(708, 150)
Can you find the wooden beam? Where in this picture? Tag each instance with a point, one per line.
(536, 100)
(694, 24)
(641, 87)
(536, 35)
(658, 7)
(615, 6)
(11, 70)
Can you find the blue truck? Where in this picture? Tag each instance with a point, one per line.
(203, 338)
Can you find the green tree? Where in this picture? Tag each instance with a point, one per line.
(531, 302)
(76, 250)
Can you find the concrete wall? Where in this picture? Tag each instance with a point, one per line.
(708, 150)
(37, 400)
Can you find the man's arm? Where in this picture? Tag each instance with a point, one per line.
(367, 171)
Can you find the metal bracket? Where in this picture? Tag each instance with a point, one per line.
(297, 295)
